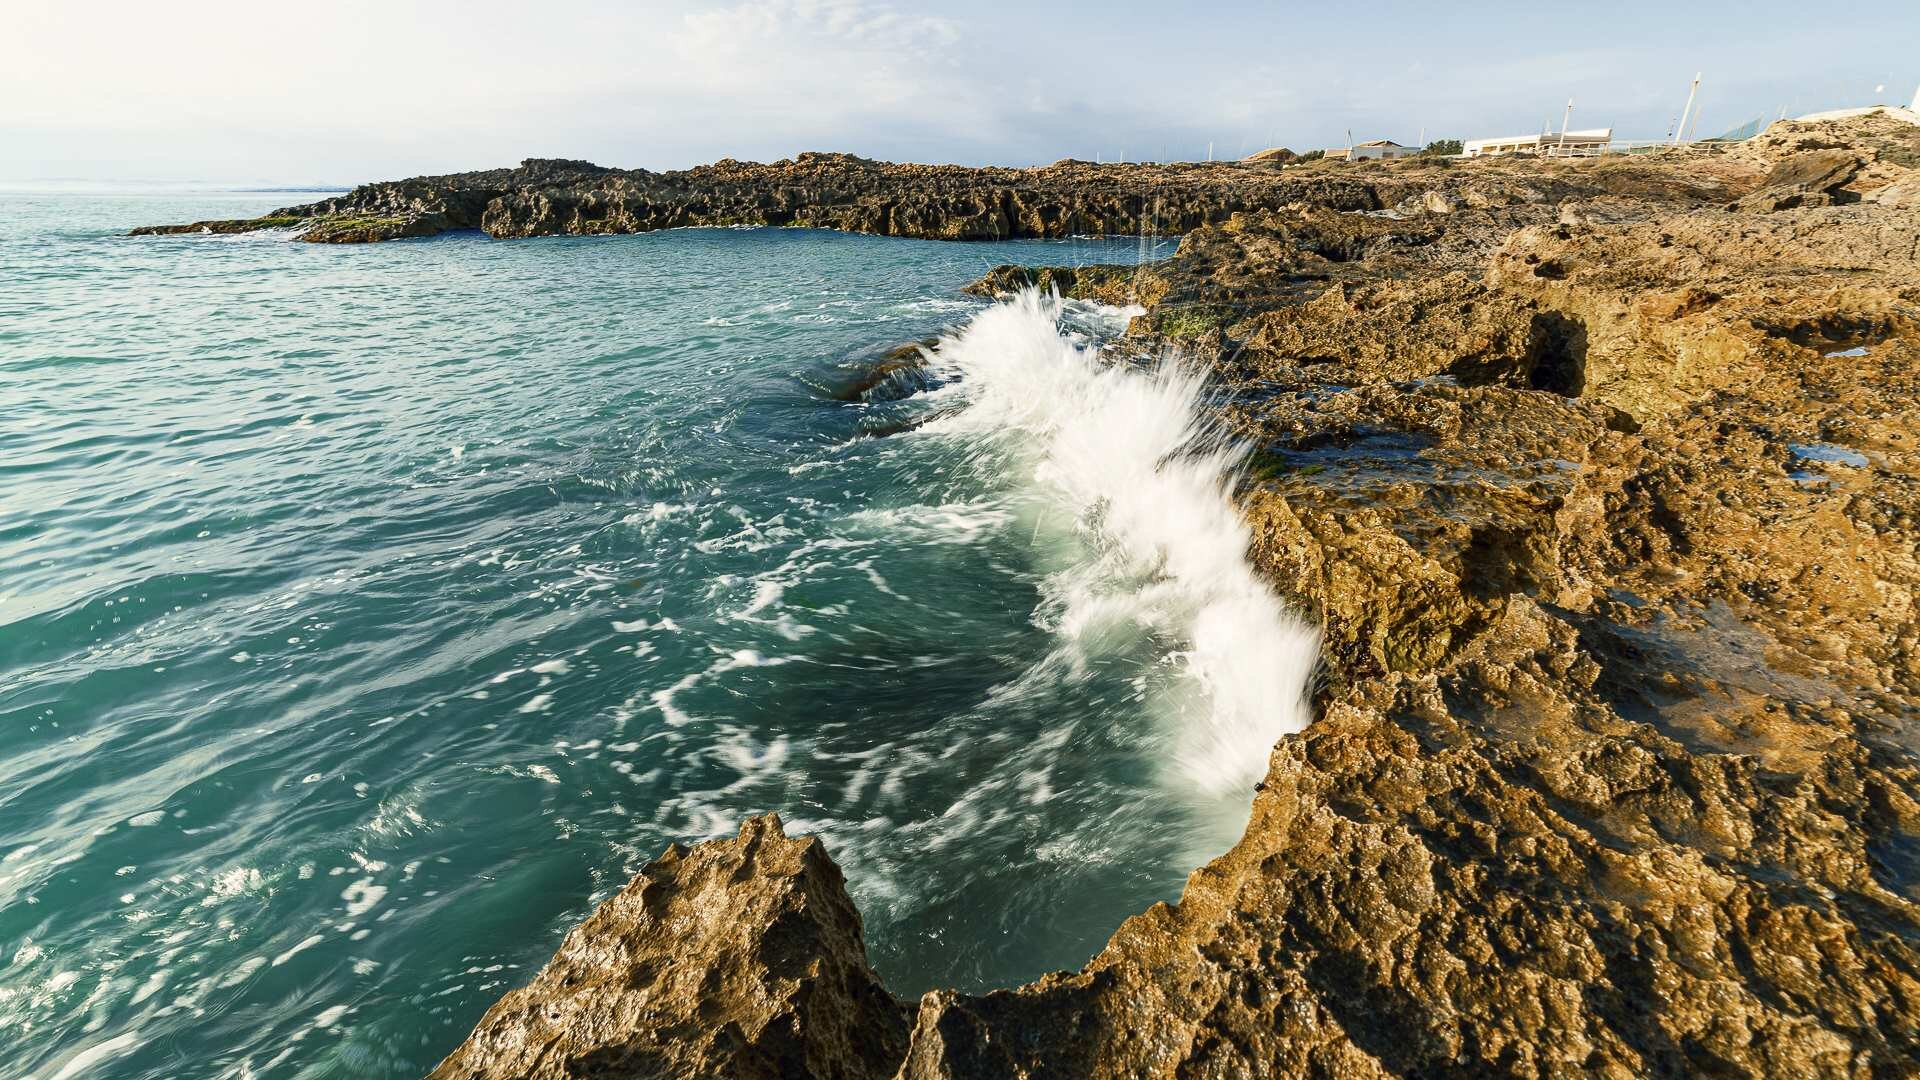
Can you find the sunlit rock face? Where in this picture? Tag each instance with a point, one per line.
(741, 957)
(1602, 483)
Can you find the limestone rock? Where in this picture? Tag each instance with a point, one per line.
(1608, 502)
(739, 958)
(1813, 178)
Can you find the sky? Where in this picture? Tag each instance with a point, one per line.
(261, 93)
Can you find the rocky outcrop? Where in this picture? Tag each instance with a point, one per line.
(940, 202)
(741, 958)
(1815, 178)
(1115, 285)
(1278, 155)
(814, 190)
(1607, 497)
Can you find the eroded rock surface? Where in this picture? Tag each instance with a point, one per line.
(827, 191)
(739, 958)
(1603, 479)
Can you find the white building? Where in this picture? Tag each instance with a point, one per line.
(1552, 143)
(1373, 150)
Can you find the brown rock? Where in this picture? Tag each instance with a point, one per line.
(1813, 178)
(739, 958)
(1609, 503)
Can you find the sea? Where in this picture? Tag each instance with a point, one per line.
(368, 614)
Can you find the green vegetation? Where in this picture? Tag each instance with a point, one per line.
(359, 228)
(220, 225)
(1441, 148)
(1191, 321)
(1311, 155)
(1271, 465)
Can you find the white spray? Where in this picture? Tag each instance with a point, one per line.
(1133, 464)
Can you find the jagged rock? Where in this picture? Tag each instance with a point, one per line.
(828, 191)
(1810, 179)
(739, 958)
(1670, 310)
(1609, 503)
(1115, 285)
(840, 191)
(1372, 331)
(1903, 194)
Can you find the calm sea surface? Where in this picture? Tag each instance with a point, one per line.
(367, 614)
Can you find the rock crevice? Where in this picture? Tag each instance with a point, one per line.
(1604, 481)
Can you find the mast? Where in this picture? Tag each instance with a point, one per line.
(1682, 127)
(1564, 121)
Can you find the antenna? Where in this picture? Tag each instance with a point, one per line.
(1682, 126)
(1564, 121)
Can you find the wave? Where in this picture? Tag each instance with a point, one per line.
(1130, 470)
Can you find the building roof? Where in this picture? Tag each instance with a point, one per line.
(1587, 135)
(1378, 142)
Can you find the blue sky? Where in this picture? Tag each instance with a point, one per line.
(250, 92)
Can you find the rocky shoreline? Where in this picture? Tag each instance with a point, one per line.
(825, 191)
(1602, 478)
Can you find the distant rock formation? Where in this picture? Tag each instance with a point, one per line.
(827, 191)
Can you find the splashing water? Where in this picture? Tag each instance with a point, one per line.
(1138, 469)
(376, 612)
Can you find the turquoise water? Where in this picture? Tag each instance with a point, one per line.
(370, 613)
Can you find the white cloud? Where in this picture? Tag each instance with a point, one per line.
(357, 89)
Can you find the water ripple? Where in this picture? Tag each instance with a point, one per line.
(368, 613)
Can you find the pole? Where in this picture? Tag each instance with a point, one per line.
(1683, 112)
(1694, 128)
(1564, 121)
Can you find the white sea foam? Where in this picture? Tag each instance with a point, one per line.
(83, 1062)
(951, 523)
(1129, 465)
(306, 943)
(363, 896)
